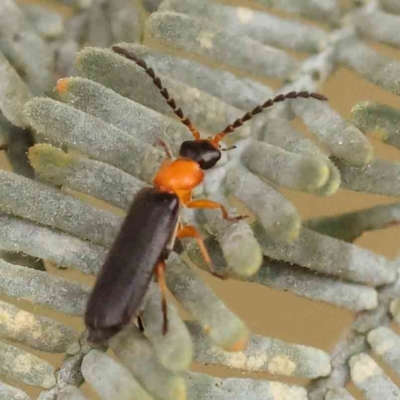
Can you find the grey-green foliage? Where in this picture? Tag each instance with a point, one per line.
(97, 134)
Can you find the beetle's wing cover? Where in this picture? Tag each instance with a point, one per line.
(127, 271)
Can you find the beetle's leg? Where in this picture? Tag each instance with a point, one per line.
(205, 203)
(140, 323)
(160, 273)
(165, 147)
(191, 231)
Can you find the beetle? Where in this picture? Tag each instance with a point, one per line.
(152, 224)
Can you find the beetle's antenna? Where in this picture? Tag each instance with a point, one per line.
(164, 92)
(246, 117)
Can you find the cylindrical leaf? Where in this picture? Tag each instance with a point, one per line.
(48, 206)
(210, 41)
(24, 47)
(175, 348)
(343, 141)
(132, 82)
(350, 226)
(330, 256)
(41, 242)
(260, 26)
(141, 122)
(84, 175)
(111, 380)
(275, 213)
(21, 366)
(264, 354)
(338, 394)
(377, 25)
(135, 353)
(386, 344)
(11, 393)
(70, 393)
(35, 331)
(241, 92)
(42, 288)
(370, 379)
(324, 10)
(380, 121)
(305, 173)
(241, 389)
(59, 123)
(205, 306)
(373, 66)
(379, 177)
(14, 94)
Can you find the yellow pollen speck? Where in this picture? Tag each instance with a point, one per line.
(4, 317)
(25, 321)
(362, 368)
(281, 364)
(250, 363)
(244, 15)
(23, 364)
(205, 40)
(282, 392)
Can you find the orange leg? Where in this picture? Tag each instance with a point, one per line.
(160, 273)
(191, 231)
(203, 203)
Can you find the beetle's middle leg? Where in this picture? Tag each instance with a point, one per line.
(205, 203)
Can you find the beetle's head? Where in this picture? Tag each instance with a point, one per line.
(204, 152)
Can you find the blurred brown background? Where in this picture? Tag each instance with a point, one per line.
(277, 314)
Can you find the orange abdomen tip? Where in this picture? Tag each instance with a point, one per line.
(62, 85)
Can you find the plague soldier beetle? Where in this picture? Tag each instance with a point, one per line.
(152, 224)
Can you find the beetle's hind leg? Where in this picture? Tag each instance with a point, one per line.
(160, 273)
(190, 231)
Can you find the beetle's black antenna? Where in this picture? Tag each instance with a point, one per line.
(164, 92)
(246, 117)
